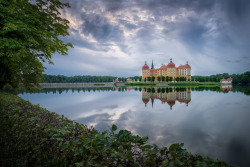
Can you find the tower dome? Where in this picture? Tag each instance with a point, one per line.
(145, 67)
(171, 64)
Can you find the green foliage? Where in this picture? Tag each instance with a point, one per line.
(139, 84)
(243, 78)
(83, 78)
(32, 136)
(206, 84)
(149, 79)
(29, 33)
(98, 84)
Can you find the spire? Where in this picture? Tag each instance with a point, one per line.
(145, 62)
(170, 60)
(152, 66)
(186, 62)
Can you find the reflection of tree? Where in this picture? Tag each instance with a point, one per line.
(61, 90)
(245, 89)
(167, 95)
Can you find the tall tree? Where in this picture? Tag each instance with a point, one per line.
(29, 36)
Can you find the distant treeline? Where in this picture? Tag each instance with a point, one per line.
(243, 78)
(83, 78)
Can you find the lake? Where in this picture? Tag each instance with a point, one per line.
(209, 121)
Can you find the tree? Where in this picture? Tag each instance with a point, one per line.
(153, 78)
(163, 78)
(148, 78)
(29, 34)
(158, 78)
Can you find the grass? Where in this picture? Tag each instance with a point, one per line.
(203, 84)
(139, 84)
(98, 84)
(180, 84)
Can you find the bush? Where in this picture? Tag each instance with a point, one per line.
(33, 136)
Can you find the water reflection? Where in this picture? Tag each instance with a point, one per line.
(166, 95)
(215, 123)
(225, 89)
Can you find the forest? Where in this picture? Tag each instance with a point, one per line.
(243, 78)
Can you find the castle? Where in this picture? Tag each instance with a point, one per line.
(166, 72)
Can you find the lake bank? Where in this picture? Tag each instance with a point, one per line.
(203, 84)
(179, 84)
(121, 84)
(45, 138)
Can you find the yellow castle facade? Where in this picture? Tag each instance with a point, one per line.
(167, 72)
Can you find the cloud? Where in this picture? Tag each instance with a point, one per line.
(120, 35)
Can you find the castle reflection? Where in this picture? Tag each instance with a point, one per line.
(166, 95)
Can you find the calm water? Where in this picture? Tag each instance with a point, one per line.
(209, 121)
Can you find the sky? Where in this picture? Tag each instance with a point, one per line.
(116, 37)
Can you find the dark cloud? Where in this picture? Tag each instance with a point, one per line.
(192, 33)
(217, 30)
(83, 43)
(99, 27)
(113, 5)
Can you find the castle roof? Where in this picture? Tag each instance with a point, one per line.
(228, 79)
(163, 67)
(184, 66)
(145, 67)
(171, 65)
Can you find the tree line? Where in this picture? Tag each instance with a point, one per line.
(163, 78)
(82, 78)
(243, 78)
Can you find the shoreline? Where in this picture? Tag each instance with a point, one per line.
(48, 139)
(122, 84)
